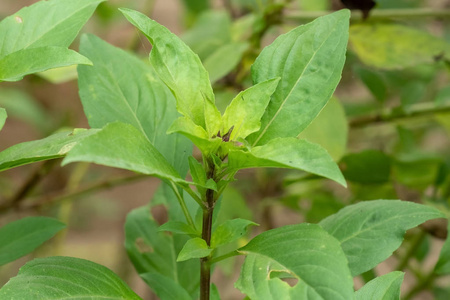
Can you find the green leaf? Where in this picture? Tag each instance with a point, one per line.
(443, 265)
(368, 167)
(309, 60)
(305, 252)
(21, 237)
(329, 129)
(373, 81)
(370, 231)
(229, 231)
(194, 248)
(45, 23)
(181, 70)
(165, 288)
(288, 153)
(179, 228)
(386, 287)
(3, 117)
(60, 75)
(393, 46)
(154, 252)
(245, 111)
(224, 60)
(140, 98)
(54, 146)
(65, 278)
(27, 61)
(121, 145)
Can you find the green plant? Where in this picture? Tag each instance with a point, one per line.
(146, 118)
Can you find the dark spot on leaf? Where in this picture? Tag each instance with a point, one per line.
(142, 246)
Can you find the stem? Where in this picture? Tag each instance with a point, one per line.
(183, 205)
(225, 256)
(422, 285)
(403, 263)
(377, 14)
(420, 110)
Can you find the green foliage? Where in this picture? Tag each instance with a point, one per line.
(374, 229)
(65, 278)
(305, 252)
(386, 287)
(145, 117)
(21, 237)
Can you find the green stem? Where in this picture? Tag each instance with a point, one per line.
(403, 263)
(184, 208)
(376, 14)
(423, 284)
(194, 196)
(419, 110)
(225, 256)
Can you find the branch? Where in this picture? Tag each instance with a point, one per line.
(62, 195)
(377, 14)
(419, 110)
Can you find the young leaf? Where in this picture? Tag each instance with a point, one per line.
(245, 111)
(65, 278)
(230, 231)
(181, 70)
(309, 59)
(140, 98)
(54, 146)
(154, 252)
(288, 153)
(393, 46)
(370, 231)
(443, 265)
(15, 66)
(21, 237)
(3, 117)
(386, 287)
(45, 23)
(165, 288)
(305, 252)
(194, 248)
(121, 145)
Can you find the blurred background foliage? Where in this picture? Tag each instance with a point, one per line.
(387, 126)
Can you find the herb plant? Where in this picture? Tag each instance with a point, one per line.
(146, 116)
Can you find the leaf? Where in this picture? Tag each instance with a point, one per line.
(229, 231)
(15, 66)
(194, 248)
(21, 237)
(370, 231)
(45, 23)
(179, 228)
(65, 278)
(140, 98)
(392, 46)
(289, 153)
(443, 265)
(154, 252)
(224, 60)
(3, 117)
(60, 75)
(165, 288)
(181, 70)
(305, 252)
(373, 81)
(386, 287)
(121, 145)
(367, 167)
(54, 146)
(246, 109)
(309, 59)
(329, 129)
